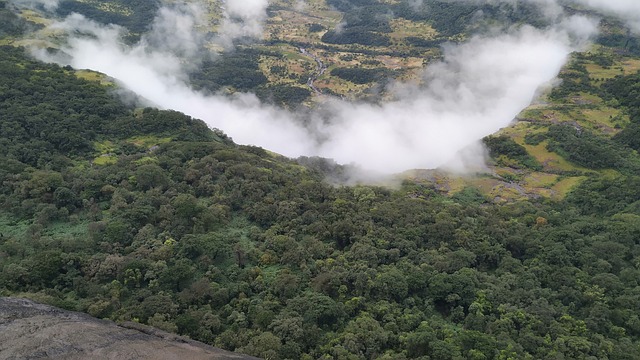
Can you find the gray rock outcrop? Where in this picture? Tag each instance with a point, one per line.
(29, 330)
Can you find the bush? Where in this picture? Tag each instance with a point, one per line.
(505, 146)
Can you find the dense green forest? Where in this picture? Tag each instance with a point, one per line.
(11, 24)
(360, 75)
(146, 215)
(134, 15)
(239, 71)
(366, 22)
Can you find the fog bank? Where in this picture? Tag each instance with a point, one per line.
(479, 87)
(627, 10)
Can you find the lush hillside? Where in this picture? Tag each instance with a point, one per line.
(145, 215)
(136, 214)
(585, 127)
(134, 15)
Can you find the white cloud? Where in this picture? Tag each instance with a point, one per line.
(242, 18)
(627, 10)
(479, 87)
(173, 30)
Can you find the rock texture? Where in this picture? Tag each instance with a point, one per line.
(29, 330)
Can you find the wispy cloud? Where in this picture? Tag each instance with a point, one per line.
(627, 10)
(479, 87)
(242, 18)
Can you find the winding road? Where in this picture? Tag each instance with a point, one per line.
(320, 69)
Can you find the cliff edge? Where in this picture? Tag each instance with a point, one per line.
(29, 330)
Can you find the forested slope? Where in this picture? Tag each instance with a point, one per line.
(145, 215)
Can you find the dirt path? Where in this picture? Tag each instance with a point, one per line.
(320, 70)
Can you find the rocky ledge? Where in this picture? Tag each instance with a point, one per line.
(29, 330)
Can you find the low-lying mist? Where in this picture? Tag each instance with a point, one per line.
(627, 10)
(478, 88)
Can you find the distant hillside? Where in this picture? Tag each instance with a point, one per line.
(392, 39)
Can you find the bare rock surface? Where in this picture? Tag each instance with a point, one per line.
(29, 330)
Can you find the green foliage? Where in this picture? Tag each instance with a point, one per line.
(454, 17)
(587, 149)
(421, 42)
(468, 196)
(505, 146)
(134, 15)
(365, 22)
(238, 69)
(356, 36)
(627, 42)
(48, 112)
(10, 23)
(285, 95)
(50, 115)
(629, 136)
(534, 138)
(316, 28)
(574, 80)
(626, 90)
(606, 196)
(359, 75)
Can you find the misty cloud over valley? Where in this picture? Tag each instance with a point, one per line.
(478, 87)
